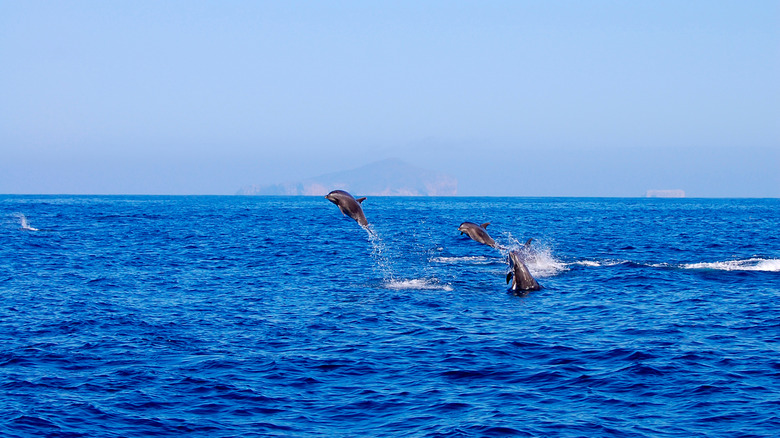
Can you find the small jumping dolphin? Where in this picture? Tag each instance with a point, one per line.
(348, 205)
(478, 233)
(523, 281)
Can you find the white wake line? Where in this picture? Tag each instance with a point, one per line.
(752, 264)
(480, 260)
(417, 284)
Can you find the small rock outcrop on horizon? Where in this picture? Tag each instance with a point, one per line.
(391, 177)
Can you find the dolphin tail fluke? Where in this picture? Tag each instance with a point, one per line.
(360, 200)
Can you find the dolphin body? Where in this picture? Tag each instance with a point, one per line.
(478, 233)
(522, 279)
(348, 205)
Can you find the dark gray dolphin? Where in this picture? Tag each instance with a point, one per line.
(523, 281)
(348, 205)
(478, 233)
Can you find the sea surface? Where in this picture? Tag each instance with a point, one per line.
(278, 316)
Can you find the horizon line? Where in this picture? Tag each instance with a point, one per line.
(388, 196)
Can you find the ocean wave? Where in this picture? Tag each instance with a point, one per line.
(753, 264)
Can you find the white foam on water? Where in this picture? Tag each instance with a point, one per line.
(753, 264)
(475, 260)
(588, 263)
(598, 263)
(418, 284)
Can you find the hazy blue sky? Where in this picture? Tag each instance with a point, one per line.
(526, 98)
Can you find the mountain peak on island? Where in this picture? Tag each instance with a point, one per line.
(390, 177)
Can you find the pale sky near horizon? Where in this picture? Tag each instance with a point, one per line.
(513, 98)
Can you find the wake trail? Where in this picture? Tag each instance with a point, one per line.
(751, 264)
(756, 264)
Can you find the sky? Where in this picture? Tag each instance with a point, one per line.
(513, 98)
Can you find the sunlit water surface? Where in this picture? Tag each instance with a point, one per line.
(254, 316)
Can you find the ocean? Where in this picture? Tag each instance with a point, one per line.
(135, 316)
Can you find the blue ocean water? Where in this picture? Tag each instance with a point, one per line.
(274, 316)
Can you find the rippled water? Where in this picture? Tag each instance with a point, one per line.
(242, 316)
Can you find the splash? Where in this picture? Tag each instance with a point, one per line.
(538, 257)
(753, 264)
(542, 263)
(378, 254)
(390, 280)
(24, 224)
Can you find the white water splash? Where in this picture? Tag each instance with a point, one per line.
(24, 224)
(378, 250)
(541, 263)
(753, 264)
(538, 257)
(390, 280)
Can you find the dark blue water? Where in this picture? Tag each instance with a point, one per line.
(240, 316)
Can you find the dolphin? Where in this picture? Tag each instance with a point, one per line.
(348, 205)
(523, 281)
(478, 233)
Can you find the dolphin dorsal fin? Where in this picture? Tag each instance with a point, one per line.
(360, 200)
(528, 242)
(485, 224)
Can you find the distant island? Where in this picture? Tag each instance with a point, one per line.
(665, 193)
(390, 177)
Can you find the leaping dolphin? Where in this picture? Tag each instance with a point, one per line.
(478, 233)
(348, 205)
(523, 281)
